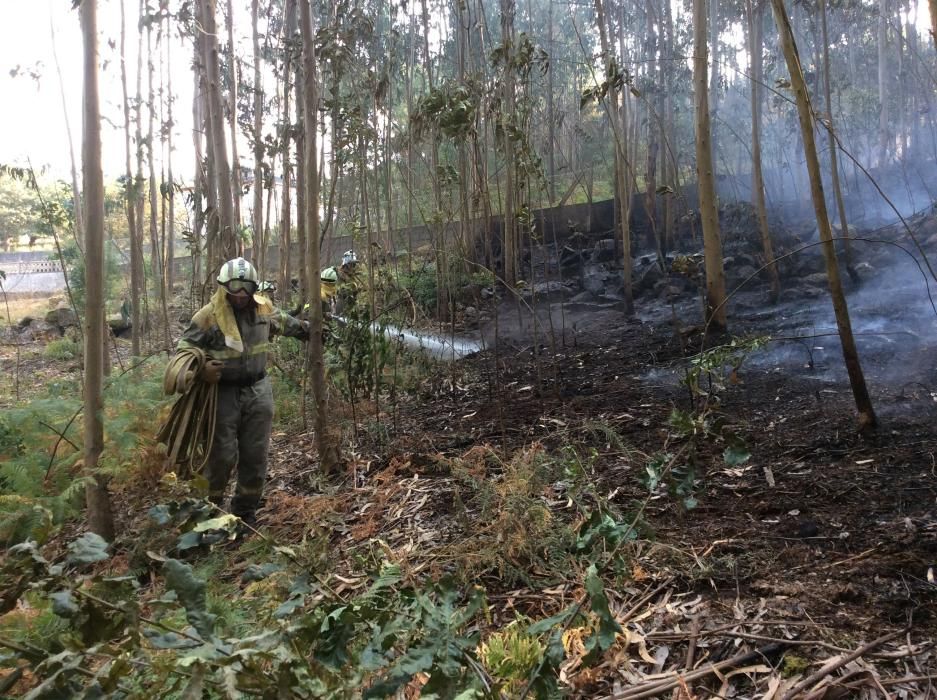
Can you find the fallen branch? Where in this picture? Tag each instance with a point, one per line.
(656, 687)
(829, 668)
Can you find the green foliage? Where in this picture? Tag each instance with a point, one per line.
(41, 483)
(451, 107)
(62, 349)
(75, 269)
(357, 353)
(512, 654)
(713, 370)
(422, 284)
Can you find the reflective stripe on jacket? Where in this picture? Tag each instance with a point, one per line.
(255, 329)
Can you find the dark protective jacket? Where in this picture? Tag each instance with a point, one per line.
(255, 327)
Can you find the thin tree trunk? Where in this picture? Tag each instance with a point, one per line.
(511, 239)
(884, 128)
(834, 165)
(257, 213)
(199, 185)
(171, 236)
(286, 136)
(228, 232)
(329, 458)
(233, 77)
(156, 256)
(618, 123)
(551, 109)
(76, 197)
(136, 261)
(305, 278)
(867, 419)
(754, 16)
(140, 181)
(97, 499)
(712, 246)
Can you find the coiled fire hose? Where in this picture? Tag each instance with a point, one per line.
(189, 431)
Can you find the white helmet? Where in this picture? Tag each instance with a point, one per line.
(238, 269)
(349, 257)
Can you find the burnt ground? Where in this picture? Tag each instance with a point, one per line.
(818, 545)
(823, 540)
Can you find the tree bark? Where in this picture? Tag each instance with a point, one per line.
(227, 233)
(834, 147)
(233, 77)
(618, 123)
(753, 10)
(97, 499)
(867, 419)
(257, 211)
(709, 212)
(136, 261)
(329, 459)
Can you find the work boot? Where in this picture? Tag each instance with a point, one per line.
(248, 521)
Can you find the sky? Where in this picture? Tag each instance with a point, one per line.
(32, 119)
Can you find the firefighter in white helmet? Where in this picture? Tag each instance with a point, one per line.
(340, 283)
(234, 330)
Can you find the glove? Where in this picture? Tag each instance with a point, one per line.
(304, 333)
(211, 372)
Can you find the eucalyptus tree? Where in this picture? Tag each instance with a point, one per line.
(506, 137)
(805, 113)
(156, 257)
(257, 209)
(834, 146)
(233, 78)
(328, 449)
(285, 138)
(207, 36)
(97, 498)
(615, 81)
(709, 214)
(130, 196)
(754, 12)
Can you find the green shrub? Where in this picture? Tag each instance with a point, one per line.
(62, 349)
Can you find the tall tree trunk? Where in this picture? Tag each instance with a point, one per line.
(140, 181)
(228, 231)
(200, 180)
(867, 420)
(171, 236)
(884, 115)
(257, 211)
(754, 13)
(156, 255)
(301, 192)
(76, 197)
(97, 499)
(136, 261)
(329, 458)
(622, 175)
(286, 136)
(834, 164)
(510, 235)
(236, 187)
(551, 109)
(653, 145)
(709, 213)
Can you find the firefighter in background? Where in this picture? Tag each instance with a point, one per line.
(234, 331)
(340, 284)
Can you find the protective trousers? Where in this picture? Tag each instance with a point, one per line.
(242, 437)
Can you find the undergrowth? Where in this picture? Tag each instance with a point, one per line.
(170, 610)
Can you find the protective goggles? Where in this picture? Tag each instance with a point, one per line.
(235, 286)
